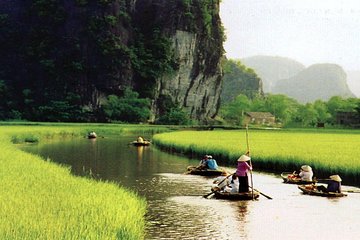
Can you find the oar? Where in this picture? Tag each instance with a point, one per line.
(268, 197)
(212, 192)
(350, 191)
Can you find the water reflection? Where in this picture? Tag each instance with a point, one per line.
(177, 209)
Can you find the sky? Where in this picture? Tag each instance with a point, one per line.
(309, 31)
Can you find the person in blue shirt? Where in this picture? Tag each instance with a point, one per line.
(211, 163)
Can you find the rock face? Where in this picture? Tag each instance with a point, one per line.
(160, 48)
(319, 81)
(271, 69)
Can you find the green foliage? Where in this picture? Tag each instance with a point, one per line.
(128, 108)
(234, 111)
(175, 116)
(239, 79)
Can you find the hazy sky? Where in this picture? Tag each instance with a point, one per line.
(309, 31)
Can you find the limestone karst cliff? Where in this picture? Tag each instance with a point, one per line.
(163, 49)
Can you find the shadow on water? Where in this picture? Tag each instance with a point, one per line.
(177, 209)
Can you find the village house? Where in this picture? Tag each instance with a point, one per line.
(261, 118)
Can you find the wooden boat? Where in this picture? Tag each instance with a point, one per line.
(91, 135)
(312, 190)
(144, 143)
(236, 196)
(204, 172)
(290, 178)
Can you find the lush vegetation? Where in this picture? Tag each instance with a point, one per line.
(239, 79)
(327, 151)
(42, 200)
(289, 112)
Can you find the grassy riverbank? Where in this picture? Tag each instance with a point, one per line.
(42, 200)
(327, 151)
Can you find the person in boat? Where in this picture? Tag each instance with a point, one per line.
(241, 172)
(211, 163)
(306, 173)
(233, 186)
(221, 182)
(203, 163)
(334, 185)
(140, 139)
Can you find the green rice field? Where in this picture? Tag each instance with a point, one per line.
(327, 151)
(42, 200)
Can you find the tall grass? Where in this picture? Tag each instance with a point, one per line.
(327, 151)
(42, 200)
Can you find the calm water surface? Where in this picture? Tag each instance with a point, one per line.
(177, 210)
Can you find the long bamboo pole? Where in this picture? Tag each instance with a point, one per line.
(248, 151)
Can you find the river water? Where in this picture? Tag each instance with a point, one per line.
(177, 210)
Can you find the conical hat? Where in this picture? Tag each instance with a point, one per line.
(306, 168)
(244, 158)
(335, 178)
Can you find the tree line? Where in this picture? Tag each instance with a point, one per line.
(288, 111)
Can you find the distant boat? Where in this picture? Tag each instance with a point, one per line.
(144, 143)
(92, 135)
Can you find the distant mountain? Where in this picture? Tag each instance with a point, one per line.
(271, 69)
(319, 81)
(353, 80)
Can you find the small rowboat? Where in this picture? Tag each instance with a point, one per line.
(204, 172)
(144, 143)
(236, 196)
(291, 178)
(312, 190)
(92, 135)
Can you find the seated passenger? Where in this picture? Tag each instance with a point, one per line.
(140, 139)
(221, 181)
(233, 187)
(306, 173)
(203, 163)
(334, 185)
(211, 163)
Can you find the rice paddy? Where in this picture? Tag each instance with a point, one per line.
(327, 151)
(42, 200)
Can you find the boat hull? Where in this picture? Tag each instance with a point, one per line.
(310, 190)
(237, 196)
(206, 172)
(288, 179)
(135, 143)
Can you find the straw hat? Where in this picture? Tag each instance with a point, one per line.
(335, 178)
(244, 158)
(306, 168)
(209, 156)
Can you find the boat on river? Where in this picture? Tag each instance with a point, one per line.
(236, 196)
(144, 143)
(91, 135)
(311, 189)
(291, 178)
(204, 172)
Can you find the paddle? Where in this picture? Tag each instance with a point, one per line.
(268, 197)
(212, 192)
(350, 191)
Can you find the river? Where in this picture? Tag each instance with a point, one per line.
(177, 208)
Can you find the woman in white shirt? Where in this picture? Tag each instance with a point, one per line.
(306, 173)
